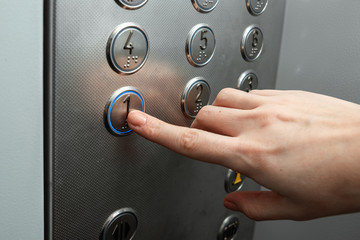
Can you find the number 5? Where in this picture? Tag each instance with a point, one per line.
(203, 38)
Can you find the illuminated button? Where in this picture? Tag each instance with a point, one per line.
(234, 181)
(252, 43)
(256, 7)
(131, 4)
(118, 107)
(195, 96)
(127, 49)
(204, 6)
(200, 45)
(248, 81)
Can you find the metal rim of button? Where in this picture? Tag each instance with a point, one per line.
(230, 185)
(243, 77)
(186, 92)
(115, 216)
(229, 228)
(112, 40)
(201, 9)
(244, 40)
(252, 11)
(109, 105)
(125, 5)
(189, 41)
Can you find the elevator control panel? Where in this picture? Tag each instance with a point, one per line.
(166, 58)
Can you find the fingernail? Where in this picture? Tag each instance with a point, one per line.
(231, 205)
(136, 118)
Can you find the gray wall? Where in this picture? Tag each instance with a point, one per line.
(21, 120)
(320, 53)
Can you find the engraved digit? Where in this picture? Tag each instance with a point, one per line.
(255, 39)
(203, 38)
(127, 101)
(198, 96)
(128, 45)
(250, 81)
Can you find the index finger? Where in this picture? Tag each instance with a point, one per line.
(193, 143)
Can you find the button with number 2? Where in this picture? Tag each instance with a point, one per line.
(127, 48)
(195, 96)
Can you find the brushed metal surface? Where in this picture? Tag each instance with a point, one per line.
(92, 173)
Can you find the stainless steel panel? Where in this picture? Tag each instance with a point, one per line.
(91, 173)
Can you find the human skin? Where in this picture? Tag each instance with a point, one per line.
(303, 146)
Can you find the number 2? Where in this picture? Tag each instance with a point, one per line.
(198, 97)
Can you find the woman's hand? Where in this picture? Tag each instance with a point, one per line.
(304, 147)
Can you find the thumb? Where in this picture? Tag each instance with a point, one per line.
(262, 205)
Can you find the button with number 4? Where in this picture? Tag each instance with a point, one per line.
(200, 45)
(196, 95)
(127, 48)
(118, 107)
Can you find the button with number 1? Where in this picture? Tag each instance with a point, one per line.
(118, 107)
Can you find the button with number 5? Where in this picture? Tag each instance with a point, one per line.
(196, 95)
(200, 45)
(118, 107)
(127, 48)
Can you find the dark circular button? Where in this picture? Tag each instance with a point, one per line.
(121, 225)
(229, 228)
(234, 181)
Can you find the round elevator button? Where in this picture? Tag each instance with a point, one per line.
(127, 48)
(229, 228)
(252, 43)
(256, 7)
(196, 95)
(204, 6)
(200, 45)
(118, 107)
(122, 224)
(248, 81)
(131, 4)
(234, 181)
